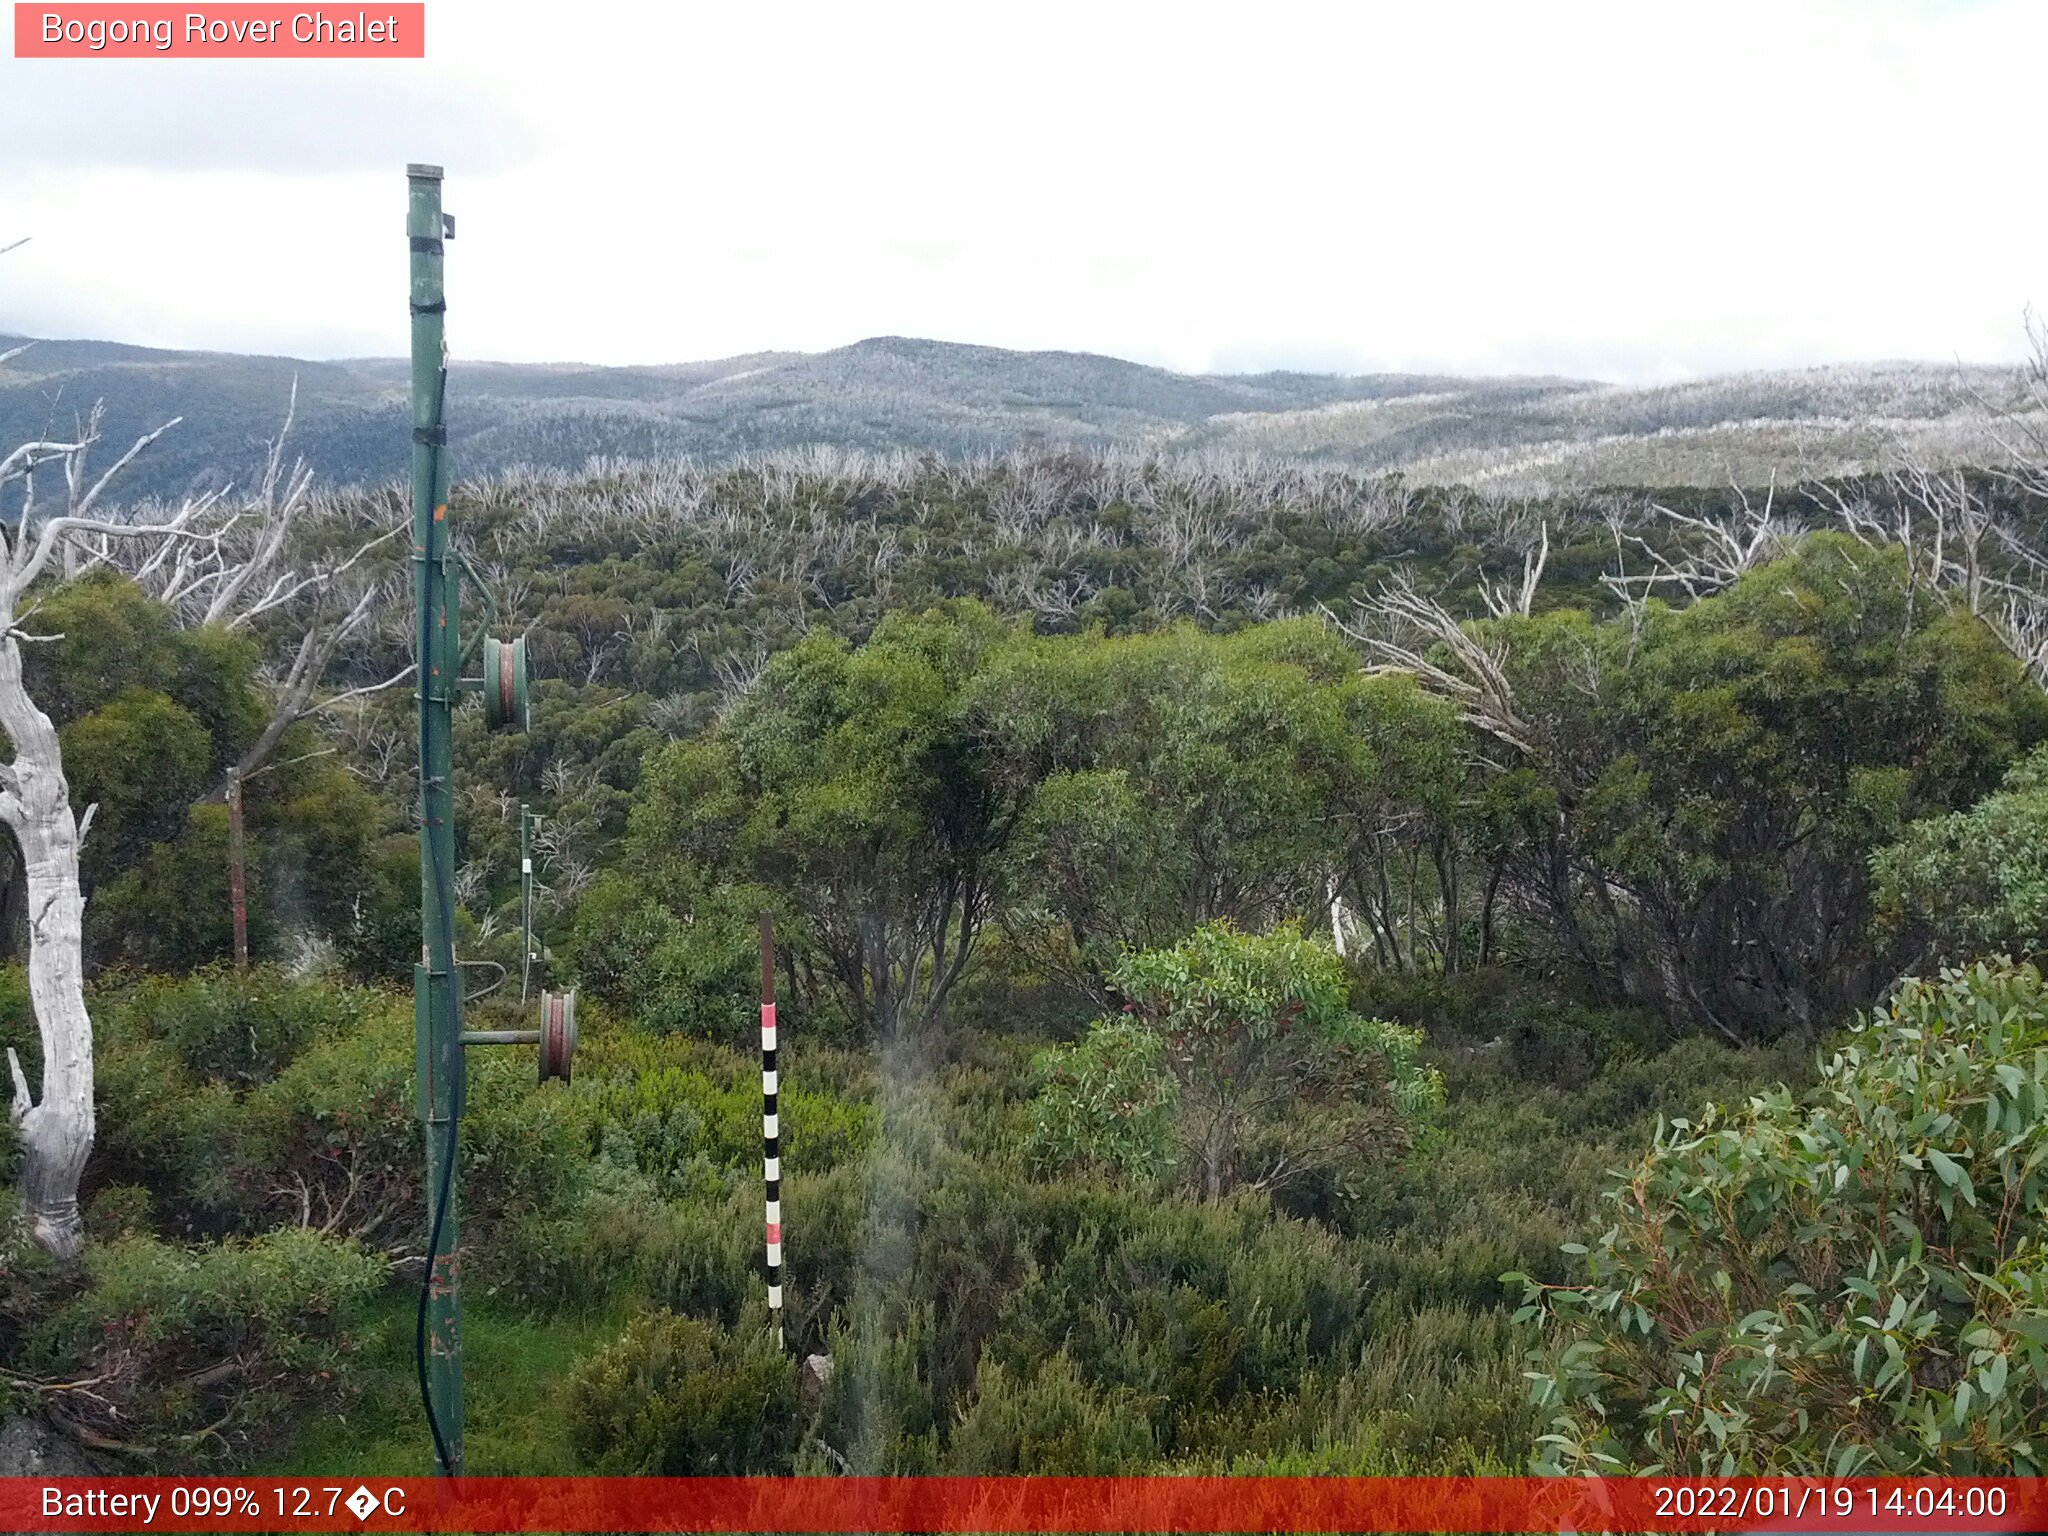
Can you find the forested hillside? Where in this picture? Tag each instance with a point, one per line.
(890, 394)
(1282, 969)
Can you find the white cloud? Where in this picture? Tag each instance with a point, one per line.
(1622, 189)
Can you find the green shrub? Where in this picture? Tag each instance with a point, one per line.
(335, 1142)
(201, 1353)
(1856, 1282)
(1241, 1066)
(680, 1397)
(32, 1283)
(120, 1210)
(1976, 880)
(1445, 1391)
(1053, 1424)
(618, 1239)
(380, 938)
(1106, 1103)
(1382, 1421)
(237, 1029)
(825, 1220)
(158, 1128)
(314, 1123)
(701, 1256)
(1195, 1310)
(1536, 1032)
(688, 1114)
(879, 1403)
(177, 1059)
(710, 1259)
(691, 975)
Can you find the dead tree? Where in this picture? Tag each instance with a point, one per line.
(1406, 630)
(56, 1129)
(1499, 601)
(2021, 428)
(210, 568)
(244, 576)
(1718, 553)
(1958, 550)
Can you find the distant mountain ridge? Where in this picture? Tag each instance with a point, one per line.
(897, 393)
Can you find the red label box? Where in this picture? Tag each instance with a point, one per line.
(234, 31)
(871, 1506)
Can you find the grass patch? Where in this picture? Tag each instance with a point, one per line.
(513, 1367)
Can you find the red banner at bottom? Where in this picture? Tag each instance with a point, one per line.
(1003, 1504)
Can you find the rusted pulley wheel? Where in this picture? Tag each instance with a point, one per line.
(557, 1033)
(505, 692)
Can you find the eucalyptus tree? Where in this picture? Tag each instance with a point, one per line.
(1237, 1063)
(1702, 787)
(850, 789)
(1837, 1281)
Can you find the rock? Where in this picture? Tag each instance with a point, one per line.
(813, 1377)
(35, 1448)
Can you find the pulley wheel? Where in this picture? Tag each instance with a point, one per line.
(557, 1033)
(505, 694)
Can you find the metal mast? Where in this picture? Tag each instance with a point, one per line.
(437, 980)
(436, 991)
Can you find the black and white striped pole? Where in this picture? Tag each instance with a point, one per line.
(528, 957)
(771, 1127)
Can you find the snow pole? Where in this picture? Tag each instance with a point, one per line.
(528, 956)
(771, 1127)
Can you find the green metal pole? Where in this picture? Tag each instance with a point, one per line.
(436, 998)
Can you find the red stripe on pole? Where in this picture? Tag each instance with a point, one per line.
(1003, 1504)
(771, 1167)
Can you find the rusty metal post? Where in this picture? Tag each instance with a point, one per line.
(238, 891)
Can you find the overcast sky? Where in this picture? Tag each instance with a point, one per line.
(1644, 190)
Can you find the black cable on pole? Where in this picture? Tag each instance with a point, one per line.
(427, 1292)
(448, 944)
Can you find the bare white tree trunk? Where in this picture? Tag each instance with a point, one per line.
(57, 1130)
(190, 555)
